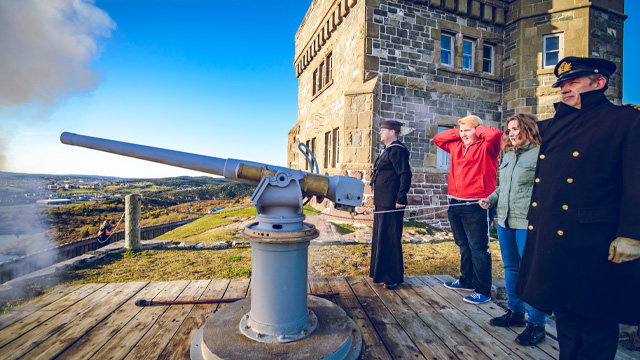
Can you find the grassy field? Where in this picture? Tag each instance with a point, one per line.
(329, 260)
(437, 258)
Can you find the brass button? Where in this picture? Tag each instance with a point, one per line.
(537, 180)
(541, 156)
(560, 232)
(530, 227)
(575, 154)
(565, 207)
(534, 204)
(569, 180)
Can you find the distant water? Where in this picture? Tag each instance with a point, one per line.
(6, 240)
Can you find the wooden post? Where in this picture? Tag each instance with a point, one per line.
(132, 222)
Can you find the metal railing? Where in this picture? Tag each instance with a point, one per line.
(27, 264)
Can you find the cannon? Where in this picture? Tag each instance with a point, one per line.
(279, 318)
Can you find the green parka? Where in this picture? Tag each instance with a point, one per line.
(513, 196)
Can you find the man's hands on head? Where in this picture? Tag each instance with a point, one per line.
(624, 249)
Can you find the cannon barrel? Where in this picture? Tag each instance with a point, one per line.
(339, 189)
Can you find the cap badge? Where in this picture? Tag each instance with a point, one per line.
(564, 67)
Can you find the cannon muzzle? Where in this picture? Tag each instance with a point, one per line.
(342, 190)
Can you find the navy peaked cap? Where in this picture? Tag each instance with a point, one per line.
(573, 67)
(391, 124)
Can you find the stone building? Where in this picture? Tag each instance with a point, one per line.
(428, 63)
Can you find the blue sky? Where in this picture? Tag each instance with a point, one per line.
(209, 77)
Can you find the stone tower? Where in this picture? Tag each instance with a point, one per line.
(428, 63)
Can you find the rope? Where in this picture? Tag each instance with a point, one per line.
(353, 218)
(114, 229)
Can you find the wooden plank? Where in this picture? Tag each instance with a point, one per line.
(237, 288)
(321, 285)
(393, 336)
(180, 344)
(41, 333)
(71, 331)
(155, 340)
(549, 346)
(37, 304)
(128, 337)
(551, 327)
(420, 333)
(487, 344)
(625, 354)
(449, 334)
(498, 337)
(92, 341)
(372, 347)
(29, 322)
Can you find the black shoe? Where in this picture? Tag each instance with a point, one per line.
(511, 318)
(532, 334)
(390, 286)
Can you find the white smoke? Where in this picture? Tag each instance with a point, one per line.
(46, 49)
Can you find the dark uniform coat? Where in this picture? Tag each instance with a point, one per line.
(586, 193)
(391, 182)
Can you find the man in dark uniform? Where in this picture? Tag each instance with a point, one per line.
(391, 181)
(581, 255)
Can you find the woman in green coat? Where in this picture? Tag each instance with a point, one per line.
(512, 198)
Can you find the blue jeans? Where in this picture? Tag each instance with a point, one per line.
(511, 246)
(469, 225)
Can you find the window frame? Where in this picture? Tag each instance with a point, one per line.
(328, 147)
(472, 55)
(443, 159)
(451, 50)
(329, 66)
(492, 59)
(560, 50)
(335, 137)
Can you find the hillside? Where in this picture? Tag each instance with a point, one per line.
(96, 199)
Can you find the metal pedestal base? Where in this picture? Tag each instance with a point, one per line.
(336, 337)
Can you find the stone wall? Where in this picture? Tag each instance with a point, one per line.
(332, 27)
(589, 28)
(606, 29)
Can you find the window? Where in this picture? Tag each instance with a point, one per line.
(321, 80)
(442, 156)
(335, 160)
(323, 75)
(313, 151)
(446, 49)
(551, 50)
(327, 149)
(329, 76)
(467, 54)
(306, 163)
(488, 59)
(315, 84)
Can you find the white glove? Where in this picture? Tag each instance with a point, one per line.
(624, 249)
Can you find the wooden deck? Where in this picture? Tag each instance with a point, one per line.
(419, 320)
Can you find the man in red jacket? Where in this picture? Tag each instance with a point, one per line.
(473, 171)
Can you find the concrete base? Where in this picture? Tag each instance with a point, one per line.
(336, 337)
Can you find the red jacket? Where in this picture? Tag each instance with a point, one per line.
(473, 170)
